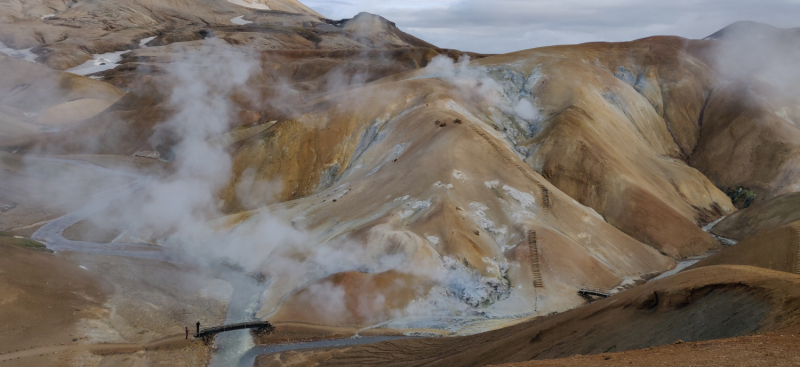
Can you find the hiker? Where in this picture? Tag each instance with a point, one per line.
(198, 328)
(187, 332)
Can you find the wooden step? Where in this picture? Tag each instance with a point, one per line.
(545, 198)
(534, 259)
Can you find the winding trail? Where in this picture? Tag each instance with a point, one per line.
(51, 234)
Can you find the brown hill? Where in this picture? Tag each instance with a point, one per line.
(749, 127)
(773, 213)
(772, 248)
(703, 304)
(33, 96)
(78, 30)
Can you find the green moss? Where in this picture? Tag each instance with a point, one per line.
(25, 243)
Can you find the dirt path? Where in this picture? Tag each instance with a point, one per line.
(171, 342)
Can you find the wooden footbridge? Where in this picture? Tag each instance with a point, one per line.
(591, 293)
(259, 327)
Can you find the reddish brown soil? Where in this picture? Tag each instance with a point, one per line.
(42, 297)
(779, 348)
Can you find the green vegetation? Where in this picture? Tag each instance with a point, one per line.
(26, 243)
(741, 194)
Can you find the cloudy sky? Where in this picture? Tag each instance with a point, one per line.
(497, 26)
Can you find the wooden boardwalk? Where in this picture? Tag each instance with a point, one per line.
(534, 259)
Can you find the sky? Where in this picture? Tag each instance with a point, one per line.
(500, 26)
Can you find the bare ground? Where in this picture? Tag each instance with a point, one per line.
(705, 304)
(778, 349)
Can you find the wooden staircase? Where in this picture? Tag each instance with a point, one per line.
(797, 260)
(545, 198)
(534, 258)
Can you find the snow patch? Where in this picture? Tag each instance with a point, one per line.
(342, 193)
(525, 199)
(412, 206)
(240, 20)
(101, 62)
(83, 267)
(48, 16)
(479, 211)
(433, 240)
(143, 43)
(460, 175)
(25, 54)
(418, 204)
(492, 184)
(439, 184)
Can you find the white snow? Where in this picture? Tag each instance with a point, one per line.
(406, 213)
(83, 267)
(440, 184)
(240, 20)
(492, 184)
(48, 16)
(144, 41)
(525, 199)
(343, 193)
(246, 4)
(460, 175)
(25, 54)
(419, 204)
(479, 213)
(433, 240)
(101, 62)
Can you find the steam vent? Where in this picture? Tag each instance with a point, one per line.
(270, 183)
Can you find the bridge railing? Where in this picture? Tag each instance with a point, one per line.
(251, 324)
(587, 289)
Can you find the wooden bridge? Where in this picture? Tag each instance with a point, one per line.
(260, 328)
(593, 292)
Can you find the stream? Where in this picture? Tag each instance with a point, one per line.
(685, 263)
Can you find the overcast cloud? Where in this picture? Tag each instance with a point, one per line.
(499, 26)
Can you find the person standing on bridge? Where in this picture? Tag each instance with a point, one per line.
(198, 328)
(187, 332)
